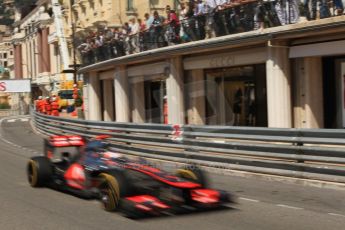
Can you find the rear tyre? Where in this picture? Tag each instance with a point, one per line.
(194, 174)
(39, 171)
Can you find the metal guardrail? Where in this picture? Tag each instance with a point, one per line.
(300, 153)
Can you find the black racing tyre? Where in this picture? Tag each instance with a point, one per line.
(193, 173)
(39, 171)
(112, 188)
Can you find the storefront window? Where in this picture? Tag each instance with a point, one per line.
(236, 96)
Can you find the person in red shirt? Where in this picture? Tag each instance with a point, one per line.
(75, 91)
(47, 106)
(40, 105)
(174, 25)
(55, 107)
(37, 103)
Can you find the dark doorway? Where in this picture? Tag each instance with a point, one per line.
(154, 96)
(333, 92)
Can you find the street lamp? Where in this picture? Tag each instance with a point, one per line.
(74, 66)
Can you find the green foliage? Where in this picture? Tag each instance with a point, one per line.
(6, 21)
(7, 14)
(78, 102)
(5, 106)
(5, 75)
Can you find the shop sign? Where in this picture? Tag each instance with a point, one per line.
(222, 61)
(15, 86)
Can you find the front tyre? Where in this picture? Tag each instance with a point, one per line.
(39, 171)
(110, 191)
(194, 174)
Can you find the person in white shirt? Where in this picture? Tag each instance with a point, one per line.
(200, 14)
(134, 35)
(210, 6)
(213, 23)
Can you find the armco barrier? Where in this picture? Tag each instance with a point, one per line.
(300, 153)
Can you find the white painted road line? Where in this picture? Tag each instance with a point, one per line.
(288, 206)
(335, 214)
(11, 143)
(24, 119)
(246, 199)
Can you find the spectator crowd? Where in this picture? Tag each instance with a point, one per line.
(199, 19)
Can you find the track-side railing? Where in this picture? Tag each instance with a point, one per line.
(300, 153)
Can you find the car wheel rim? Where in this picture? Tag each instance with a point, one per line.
(105, 200)
(32, 173)
(106, 197)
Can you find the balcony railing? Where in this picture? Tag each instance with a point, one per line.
(240, 16)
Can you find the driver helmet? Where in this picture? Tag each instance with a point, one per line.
(111, 155)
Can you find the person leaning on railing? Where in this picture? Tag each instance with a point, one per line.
(182, 10)
(86, 51)
(172, 34)
(107, 44)
(141, 35)
(310, 7)
(338, 7)
(99, 48)
(200, 15)
(188, 22)
(156, 31)
(133, 42)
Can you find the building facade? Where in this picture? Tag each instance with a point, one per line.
(37, 51)
(93, 15)
(45, 40)
(14, 101)
(6, 53)
(288, 76)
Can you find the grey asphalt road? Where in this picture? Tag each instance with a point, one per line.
(262, 204)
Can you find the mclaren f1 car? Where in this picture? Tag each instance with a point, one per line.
(92, 170)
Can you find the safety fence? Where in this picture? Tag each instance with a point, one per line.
(300, 153)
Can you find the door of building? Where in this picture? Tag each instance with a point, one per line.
(334, 92)
(340, 75)
(154, 100)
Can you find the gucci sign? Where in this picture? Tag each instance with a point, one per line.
(222, 61)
